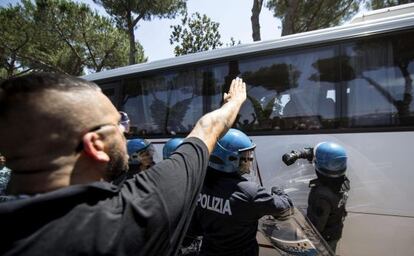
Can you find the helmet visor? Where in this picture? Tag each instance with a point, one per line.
(248, 166)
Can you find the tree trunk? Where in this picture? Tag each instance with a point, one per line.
(257, 8)
(288, 26)
(132, 49)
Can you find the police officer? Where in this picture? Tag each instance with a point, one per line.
(329, 192)
(229, 205)
(140, 153)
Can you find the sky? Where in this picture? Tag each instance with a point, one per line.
(233, 16)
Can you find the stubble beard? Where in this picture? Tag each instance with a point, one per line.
(118, 163)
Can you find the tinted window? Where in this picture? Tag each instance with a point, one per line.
(112, 91)
(288, 92)
(171, 103)
(378, 81)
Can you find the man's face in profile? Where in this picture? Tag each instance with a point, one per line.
(246, 160)
(117, 152)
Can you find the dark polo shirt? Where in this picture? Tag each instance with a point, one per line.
(145, 215)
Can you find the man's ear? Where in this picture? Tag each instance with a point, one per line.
(93, 146)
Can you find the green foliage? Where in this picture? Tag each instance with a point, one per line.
(16, 36)
(378, 4)
(195, 34)
(300, 16)
(141, 9)
(128, 13)
(60, 36)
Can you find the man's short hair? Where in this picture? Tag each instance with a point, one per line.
(42, 112)
(37, 82)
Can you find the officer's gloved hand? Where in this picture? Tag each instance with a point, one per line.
(287, 212)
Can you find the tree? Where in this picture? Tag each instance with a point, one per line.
(300, 16)
(378, 4)
(195, 34)
(128, 13)
(256, 9)
(16, 34)
(59, 36)
(91, 38)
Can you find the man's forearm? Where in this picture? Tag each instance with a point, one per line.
(213, 125)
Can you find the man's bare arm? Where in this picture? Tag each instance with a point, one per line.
(213, 125)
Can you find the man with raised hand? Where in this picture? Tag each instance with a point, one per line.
(64, 140)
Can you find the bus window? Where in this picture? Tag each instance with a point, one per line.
(380, 87)
(170, 103)
(158, 104)
(286, 92)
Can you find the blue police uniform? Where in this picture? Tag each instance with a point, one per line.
(228, 210)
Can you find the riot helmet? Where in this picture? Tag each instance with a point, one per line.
(234, 152)
(140, 151)
(330, 159)
(170, 146)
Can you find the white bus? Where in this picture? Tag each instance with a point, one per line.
(351, 84)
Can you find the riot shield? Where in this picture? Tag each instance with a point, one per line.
(294, 235)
